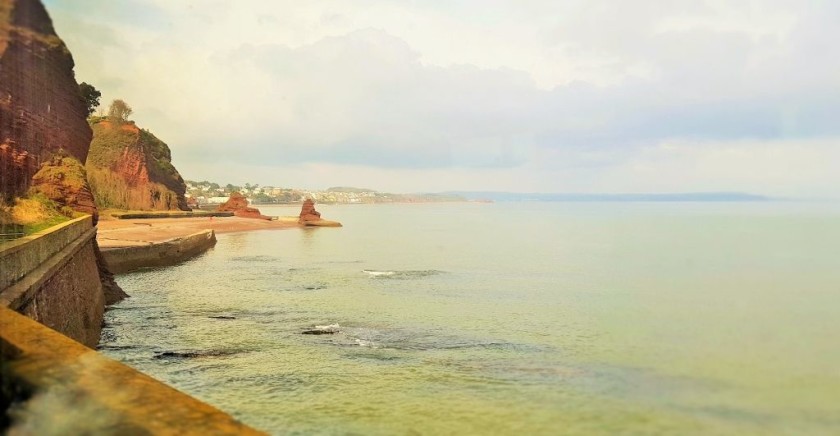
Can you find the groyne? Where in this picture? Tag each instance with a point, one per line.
(156, 254)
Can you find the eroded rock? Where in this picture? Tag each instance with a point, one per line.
(238, 204)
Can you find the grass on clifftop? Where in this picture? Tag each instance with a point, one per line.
(36, 213)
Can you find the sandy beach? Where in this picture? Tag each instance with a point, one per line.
(136, 232)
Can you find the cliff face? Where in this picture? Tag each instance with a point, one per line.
(42, 115)
(44, 142)
(130, 168)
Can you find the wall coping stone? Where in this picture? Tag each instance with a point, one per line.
(92, 394)
(21, 256)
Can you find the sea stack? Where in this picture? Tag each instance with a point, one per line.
(238, 204)
(311, 217)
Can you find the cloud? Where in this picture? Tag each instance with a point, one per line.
(536, 89)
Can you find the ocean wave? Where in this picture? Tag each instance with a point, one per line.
(401, 275)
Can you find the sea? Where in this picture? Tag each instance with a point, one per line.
(505, 318)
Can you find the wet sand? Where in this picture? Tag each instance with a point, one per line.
(137, 232)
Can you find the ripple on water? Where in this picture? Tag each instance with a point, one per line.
(415, 340)
(255, 259)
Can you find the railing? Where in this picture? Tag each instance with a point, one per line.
(10, 232)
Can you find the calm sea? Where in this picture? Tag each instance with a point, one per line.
(506, 318)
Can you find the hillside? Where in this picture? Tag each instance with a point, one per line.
(130, 168)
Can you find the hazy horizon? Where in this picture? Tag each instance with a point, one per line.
(584, 97)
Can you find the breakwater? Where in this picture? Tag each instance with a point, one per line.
(156, 254)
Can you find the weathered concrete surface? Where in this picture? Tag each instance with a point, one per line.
(52, 277)
(155, 254)
(23, 255)
(74, 390)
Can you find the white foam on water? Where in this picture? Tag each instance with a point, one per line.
(379, 273)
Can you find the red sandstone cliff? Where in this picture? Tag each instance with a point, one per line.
(44, 134)
(130, 168)
(42, 115)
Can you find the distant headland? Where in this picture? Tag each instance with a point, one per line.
(641, 197)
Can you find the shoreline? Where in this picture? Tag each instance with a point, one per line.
(121, 233)
(131, 244)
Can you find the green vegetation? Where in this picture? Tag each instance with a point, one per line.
(112, 191)
(90, 95)
(130, 168)
(62, 173)
(119, 111)
(37, 212)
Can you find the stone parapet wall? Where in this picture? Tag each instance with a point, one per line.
(62, 387)
(21, 256)
(52, 277)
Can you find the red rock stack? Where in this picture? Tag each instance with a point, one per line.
(238, 204)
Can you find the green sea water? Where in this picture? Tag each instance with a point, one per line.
(506, 318)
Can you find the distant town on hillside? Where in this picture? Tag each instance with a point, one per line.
(205, 193)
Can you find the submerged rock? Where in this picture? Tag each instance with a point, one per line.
(323, 330)
(192, 354)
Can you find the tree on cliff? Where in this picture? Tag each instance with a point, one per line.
(90, 95)
(119, 110)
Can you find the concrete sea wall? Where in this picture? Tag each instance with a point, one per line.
(52, 277)
(50, 292)
(156, 254)
(62, 387)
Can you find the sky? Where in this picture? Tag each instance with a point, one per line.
(576, 96)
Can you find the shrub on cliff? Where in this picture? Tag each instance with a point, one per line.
(90, 95)
(119, 111)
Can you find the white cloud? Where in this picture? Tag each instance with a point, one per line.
(579, 96)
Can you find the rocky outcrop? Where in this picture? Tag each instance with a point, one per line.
(311, 217)
(129, 168)
(238, 204)
(63, 180)
(112, 291)
(42, 113)
(308, 212)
